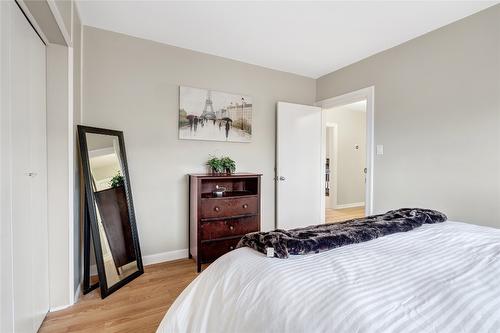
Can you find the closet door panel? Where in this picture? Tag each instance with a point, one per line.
(22, 235)
(38, 163)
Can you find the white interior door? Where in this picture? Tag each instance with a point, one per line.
(299, 168)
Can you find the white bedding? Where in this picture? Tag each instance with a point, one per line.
(442, 277)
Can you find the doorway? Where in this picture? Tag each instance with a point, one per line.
(345, 161)
(347, 207)
(301, 159)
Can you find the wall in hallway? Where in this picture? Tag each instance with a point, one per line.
(351, 132)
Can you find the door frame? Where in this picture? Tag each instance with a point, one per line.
(367, 94)
(333, 166)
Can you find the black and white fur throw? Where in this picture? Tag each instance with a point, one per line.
(323, 237)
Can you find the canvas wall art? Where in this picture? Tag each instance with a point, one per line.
(214, 115)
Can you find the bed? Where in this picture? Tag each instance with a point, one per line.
(442, 277)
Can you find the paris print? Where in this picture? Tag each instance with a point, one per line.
(213, 115)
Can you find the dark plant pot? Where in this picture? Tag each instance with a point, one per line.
(228, 172)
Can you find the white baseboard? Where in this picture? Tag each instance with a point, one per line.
(62, 307)
(59, 308)
(351, 205)
(155, 258)
(165, 256)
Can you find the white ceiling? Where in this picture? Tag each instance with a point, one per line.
(306, 38)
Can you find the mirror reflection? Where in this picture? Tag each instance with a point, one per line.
(108, 185)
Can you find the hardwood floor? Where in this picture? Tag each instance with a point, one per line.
(339, 215)
(137, 307)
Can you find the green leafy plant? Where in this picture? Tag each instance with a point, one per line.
(117, 180)
(228, 165)
(223, 164)
(215, 164)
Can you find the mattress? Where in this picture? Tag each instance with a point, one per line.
(442, 277)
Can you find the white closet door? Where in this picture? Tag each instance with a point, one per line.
(29, 176)
(38, 165)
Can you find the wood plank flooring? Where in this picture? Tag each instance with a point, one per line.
(137, 307)
(339, 215)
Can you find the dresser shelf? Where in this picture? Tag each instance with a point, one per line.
(227, 194)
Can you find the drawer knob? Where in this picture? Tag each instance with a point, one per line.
(245, 206)
(231, 248)
(216, 208)
(231, 227)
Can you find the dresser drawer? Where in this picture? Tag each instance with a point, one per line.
(214, 249)
(226, 207)
(228, 228)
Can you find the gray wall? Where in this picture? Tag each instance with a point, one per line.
(437, 113)
(58, 166)
(131, 84)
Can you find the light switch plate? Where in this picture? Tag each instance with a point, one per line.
(380, 149)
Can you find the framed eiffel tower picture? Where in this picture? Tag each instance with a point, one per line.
(213, 115)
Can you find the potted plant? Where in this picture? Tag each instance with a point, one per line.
(117, 180)
(228, 165)
(215, 164)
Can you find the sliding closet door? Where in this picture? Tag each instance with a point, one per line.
(29, 176)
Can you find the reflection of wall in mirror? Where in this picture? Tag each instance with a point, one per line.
(102, 175)
(104, 164)
(104, 156)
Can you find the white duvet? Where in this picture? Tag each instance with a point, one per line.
(441, 277)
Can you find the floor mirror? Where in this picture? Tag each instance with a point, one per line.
(109, 219)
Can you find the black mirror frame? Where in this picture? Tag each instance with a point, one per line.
(92, 214)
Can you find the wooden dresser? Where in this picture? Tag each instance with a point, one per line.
(217, 223)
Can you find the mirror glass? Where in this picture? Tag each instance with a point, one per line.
(113, 218)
